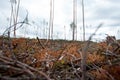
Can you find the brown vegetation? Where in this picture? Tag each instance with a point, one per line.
(57, 60)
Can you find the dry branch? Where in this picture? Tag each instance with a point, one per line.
(9, 63)
(40, 43)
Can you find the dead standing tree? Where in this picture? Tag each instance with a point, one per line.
(14, 13)
(73, 25)
(50, 34)
(75, 17)
(83, 20)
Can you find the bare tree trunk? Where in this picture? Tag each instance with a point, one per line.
(65, 32)
(16, 18)
(83, 20)
(52, 19)
(73, 33)
(84, 54)
(50, 34)
(75, 19)
(83, 64)
(72, 25)
(14, 13)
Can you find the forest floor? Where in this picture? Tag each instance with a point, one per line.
(41, 59)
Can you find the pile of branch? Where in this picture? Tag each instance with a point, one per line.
(15, 70)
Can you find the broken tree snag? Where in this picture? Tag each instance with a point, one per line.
(40, 43)
(110, 39)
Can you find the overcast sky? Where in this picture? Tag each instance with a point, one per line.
(96, 12)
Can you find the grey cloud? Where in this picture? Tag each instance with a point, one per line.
(107, 12)
(114, 1)
(114, 25)
(4, 4)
